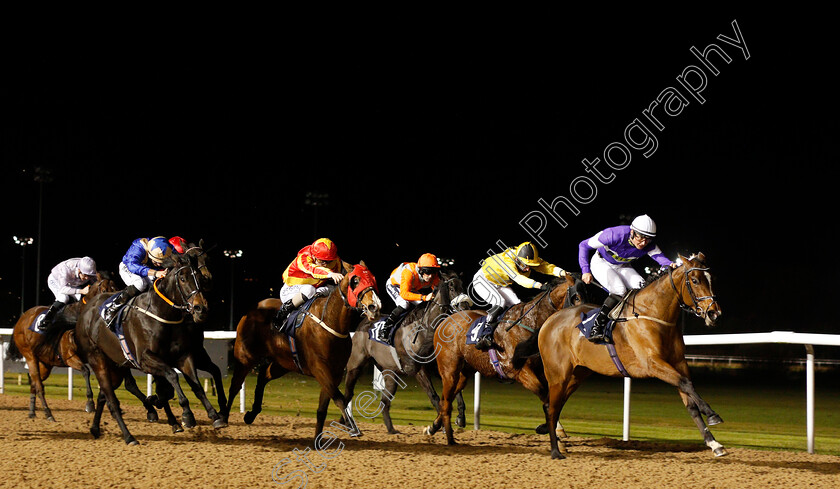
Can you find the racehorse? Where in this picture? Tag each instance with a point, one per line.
(457, 361)
(147, 322)
(412, 350)
(320, 348)
(54, 347)
(646, 339)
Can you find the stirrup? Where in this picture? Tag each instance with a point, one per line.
(484, 343)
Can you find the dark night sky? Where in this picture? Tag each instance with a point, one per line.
(434, 139)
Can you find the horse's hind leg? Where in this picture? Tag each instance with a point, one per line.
(89, 405)
(266, 374)
(38, 373)
(388, 395)
(107, 380)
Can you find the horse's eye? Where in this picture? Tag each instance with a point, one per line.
(695, 281)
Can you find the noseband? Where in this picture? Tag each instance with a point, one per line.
(696, 309)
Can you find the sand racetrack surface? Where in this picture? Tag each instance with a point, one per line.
(42, 454)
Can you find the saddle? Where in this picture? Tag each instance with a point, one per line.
(295, 318)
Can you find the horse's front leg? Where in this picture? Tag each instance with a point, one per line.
(693, 402)
(190, 375)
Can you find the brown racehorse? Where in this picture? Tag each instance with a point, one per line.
(457, 361)
(58, 350)
(646, 339)
(322, 342)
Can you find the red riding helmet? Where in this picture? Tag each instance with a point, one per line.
(324, 249)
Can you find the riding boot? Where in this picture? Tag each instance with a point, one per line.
(600, 324)
(282, 314)
(486, 342)
(388, 325)
(110, 311)
(50, 315)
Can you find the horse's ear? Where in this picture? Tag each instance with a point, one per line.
(201, 243)
(362, 263)
(701, 257)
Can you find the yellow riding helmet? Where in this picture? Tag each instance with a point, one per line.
(527, 254)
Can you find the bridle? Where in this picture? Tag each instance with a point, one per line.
(695, 309)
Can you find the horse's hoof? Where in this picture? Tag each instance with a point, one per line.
(427, 430)
(31, 415)
(249, 417)
(714, 419)
(451, 443)
(561, 433)
(177, 428)
(152, 416)
(393, 432)
(95, 433)
(219, 423)
(132, 442)
(541, 429)
(89, 407)
(188, 420)
(50, 418)
(461, 421)
(720, 452)
(556, 455)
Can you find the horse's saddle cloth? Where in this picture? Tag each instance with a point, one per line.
(116, 326)
(36, 323)
(587, 320)
(295, 318)
(479, 328)
(373, 332)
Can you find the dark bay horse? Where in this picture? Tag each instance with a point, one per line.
(43, 351)
(413, 347)
(147, 325)
(647, 340)
(457, 361)
(322, 343)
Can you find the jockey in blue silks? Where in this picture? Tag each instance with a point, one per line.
(140, 266)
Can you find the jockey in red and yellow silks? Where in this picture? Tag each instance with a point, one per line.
(404, 287)
(311, 272)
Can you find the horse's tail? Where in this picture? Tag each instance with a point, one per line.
(524, 350)
(13, 353)
(50, 343)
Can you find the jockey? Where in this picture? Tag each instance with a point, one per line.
(492, 282)
(616, 248)
(404, 287)
(315, 266)
(69, 281)
(140, 266)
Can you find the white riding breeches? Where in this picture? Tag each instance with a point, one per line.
(307, 291)
(618, 279)
(139, 282)
(55, 288)
(491, 294)
(394, 294)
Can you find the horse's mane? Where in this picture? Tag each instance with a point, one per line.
(662, 272)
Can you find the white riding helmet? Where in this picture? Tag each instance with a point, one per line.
(87, 266)
(644, 225)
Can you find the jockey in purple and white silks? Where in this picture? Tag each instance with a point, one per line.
(615, 248)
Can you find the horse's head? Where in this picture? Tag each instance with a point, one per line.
(188, 285)
(696, 294)
(453, 287)
(202, 257)
(569, 291)
(362, 291)
(104, 283)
